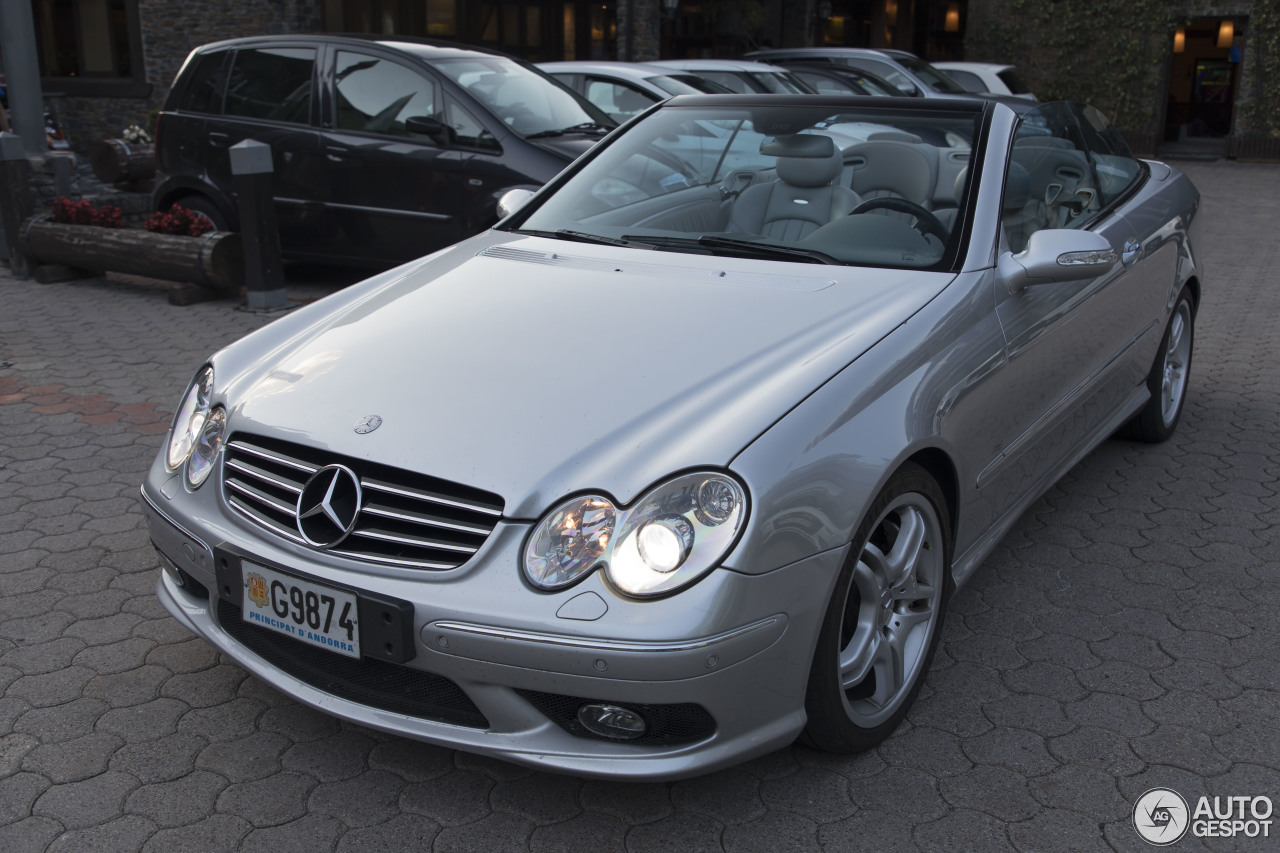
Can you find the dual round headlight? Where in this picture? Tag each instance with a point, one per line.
(669, 538)
(197, 431)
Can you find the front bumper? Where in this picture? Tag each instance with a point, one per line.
(736, 646)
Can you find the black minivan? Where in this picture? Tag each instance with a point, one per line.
(384, 149)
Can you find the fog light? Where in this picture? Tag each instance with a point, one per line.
(612, 721)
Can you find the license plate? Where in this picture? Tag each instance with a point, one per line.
(305, 610)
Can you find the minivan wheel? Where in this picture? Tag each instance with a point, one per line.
(884, 617)
(204, 209)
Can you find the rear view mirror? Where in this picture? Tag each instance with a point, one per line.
(511, 201)
(432, 128)
(1057, 255)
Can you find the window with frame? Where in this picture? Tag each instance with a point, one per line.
(89, 46)
(272, 83)
(375, 95)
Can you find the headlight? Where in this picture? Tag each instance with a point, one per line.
(189, 421)
(669, 538)
(206, 448)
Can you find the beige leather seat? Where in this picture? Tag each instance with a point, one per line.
(803, 199)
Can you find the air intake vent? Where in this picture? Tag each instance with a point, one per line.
(406, 519)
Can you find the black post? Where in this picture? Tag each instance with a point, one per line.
(16, 203)
(263, 273)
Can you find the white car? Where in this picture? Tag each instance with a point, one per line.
(987, 77)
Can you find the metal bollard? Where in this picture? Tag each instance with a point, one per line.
(251, 177)
(16, 203)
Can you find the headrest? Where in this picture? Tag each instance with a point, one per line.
(805, 160)
(894, 136)
(1017, 188)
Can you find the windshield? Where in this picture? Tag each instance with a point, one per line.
(937, 81)
(785, 183)
(525, 100)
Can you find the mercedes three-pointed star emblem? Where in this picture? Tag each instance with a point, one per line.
(368, 424)
(328, 506)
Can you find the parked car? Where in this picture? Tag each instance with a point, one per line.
(623, 89)
(665, 471)
(984, 77)
(383, 149)
(911, 74)
(830, 79)
(740, 76)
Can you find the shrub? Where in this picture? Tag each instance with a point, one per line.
(83, 212)
(178, 220)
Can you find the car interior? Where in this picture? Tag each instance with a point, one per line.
(880, 189)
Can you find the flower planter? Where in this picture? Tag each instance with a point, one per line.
(116, 161)
(214, 260)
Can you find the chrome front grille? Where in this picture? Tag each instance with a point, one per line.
(405, 519)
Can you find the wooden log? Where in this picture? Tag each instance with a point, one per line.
(117, 161)
(214, 260)
(192, 294)
(57, 273)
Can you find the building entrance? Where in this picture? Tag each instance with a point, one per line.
(1202, 81)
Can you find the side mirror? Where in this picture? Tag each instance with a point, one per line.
(432, 128)
(1057, 255)
(908, 90)
(512, 200)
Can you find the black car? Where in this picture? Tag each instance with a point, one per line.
(384, 149)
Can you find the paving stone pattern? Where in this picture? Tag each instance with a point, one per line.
(1123, 636)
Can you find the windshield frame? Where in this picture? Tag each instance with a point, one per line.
(956, 247)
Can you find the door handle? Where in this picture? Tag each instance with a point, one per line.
(335, 155)
(218, 139)
(1132, 248)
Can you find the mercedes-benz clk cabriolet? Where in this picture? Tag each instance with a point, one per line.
(683, 459)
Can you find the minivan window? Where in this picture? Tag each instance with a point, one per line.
(272, 83)
(467, 129)
(203, 92)
(376, 95)
(523, 99)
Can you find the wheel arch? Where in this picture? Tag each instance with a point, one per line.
(940, 466)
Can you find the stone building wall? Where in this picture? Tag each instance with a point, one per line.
(170, 29)
(1117, 54)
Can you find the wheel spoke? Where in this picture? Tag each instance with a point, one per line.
(900, 562)
(857, 658)
(890, 667)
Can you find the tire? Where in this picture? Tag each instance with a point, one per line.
(205, 209)
(884, 618)
(1168, 378)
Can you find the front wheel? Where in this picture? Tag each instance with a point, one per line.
(884, 617)
(1168, 378)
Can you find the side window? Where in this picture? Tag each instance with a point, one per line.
(619, 100)
(375, 95)
(468, 132)
(729, 80)
(203, 90)
(886, 72)
(1115, 167)
(1049, 180)
(272, 83)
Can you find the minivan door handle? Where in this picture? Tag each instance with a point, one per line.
(334, 154)
(218, 139)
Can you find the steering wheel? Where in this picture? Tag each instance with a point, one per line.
(926, 222)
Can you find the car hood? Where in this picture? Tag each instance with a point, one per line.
(535, 368)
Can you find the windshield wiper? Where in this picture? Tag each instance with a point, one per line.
(765, 250)
(576, 236)
(585, 127)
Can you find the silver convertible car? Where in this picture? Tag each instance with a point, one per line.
(682, 460)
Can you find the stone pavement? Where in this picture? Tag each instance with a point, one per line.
(1125, 635)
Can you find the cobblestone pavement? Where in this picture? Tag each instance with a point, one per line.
(1125, 635)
